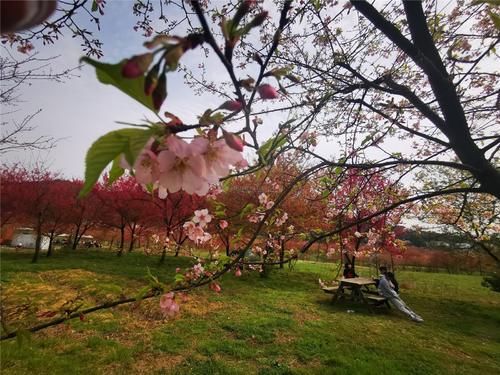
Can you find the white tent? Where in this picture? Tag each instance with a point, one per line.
(26, 237)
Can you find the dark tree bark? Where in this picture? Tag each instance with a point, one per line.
(51, 241)
(38, 241)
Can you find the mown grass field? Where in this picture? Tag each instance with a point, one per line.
(283, 324)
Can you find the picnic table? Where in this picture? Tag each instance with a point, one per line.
(360, 291)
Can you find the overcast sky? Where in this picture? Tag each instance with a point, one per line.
(82, 109)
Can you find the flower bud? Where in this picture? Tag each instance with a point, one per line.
(247, 84)
(259, 19)
(258, 59)
(267, 91)
(151, 80)
(242, 10)
(193, 40)
(232, 105)
(233, 141)
(237, 273)
(293, 78)
(173, 56)
(160, 92)
(137, 65)
(215, 287)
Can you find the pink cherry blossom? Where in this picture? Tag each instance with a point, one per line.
(233, 141)
(147, 168)
(168, 305)
(214, 191)
(282, 220)
(194, 232)
(253, 218)
(232, 105)
(237, 273)
(215, 287)
(198, 269)
(267, 91)
(269, 205)
(183, 167)
(257, 250)
(218, 157)
(263, 199)
(223, 224)
(202, 217)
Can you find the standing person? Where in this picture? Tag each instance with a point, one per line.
(349, 271)
(386, 289)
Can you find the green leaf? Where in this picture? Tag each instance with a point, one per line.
(179, 277)
(279, 73)
(224, 259)
(248, 207)
(111, 74)
(491, 2)
(240, 232)
(495, 18)
(142, 293)
(226, 185)
(367, 139)
(94, 6)
(271, 145)
(116, 171)
(109, 147)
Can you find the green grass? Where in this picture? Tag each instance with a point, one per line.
(282, 324)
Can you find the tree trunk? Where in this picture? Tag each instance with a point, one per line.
(38, 241)
(76, 238)
(282, 253)
(132, 238)
(177, 249)
(51, 240)
(228, 247)
(122, 241)
(163, 255)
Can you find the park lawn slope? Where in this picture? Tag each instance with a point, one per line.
(282, 324)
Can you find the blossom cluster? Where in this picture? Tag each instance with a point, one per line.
(168, 305)
(195, 228)
(175, 164)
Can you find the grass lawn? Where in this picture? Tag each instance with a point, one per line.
(283, 324)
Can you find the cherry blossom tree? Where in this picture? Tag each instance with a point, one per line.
(32, 191)
(170, 215)
(85, 213)
(364, 78)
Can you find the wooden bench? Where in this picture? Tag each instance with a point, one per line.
(330, 289)
(377, 299)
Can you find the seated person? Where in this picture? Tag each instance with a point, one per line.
(390, 276)
(386, 289)
(349, 271)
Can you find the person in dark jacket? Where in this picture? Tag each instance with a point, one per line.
(390, 276)
(349, 271)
